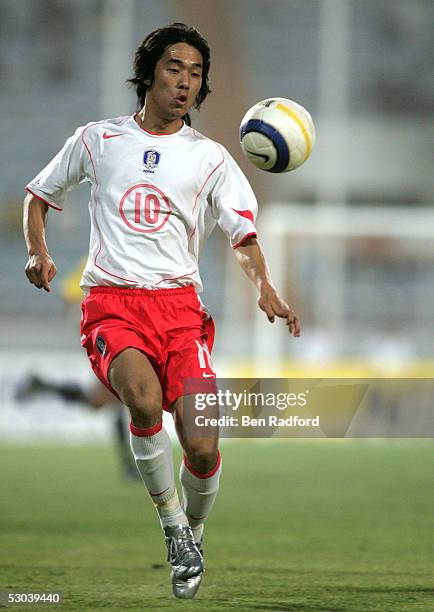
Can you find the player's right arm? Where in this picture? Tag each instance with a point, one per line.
(65, 171)
(40, 268)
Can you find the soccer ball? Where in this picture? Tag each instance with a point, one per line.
(277, 135)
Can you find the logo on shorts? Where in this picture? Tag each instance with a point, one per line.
(151, 159)
(100, 345)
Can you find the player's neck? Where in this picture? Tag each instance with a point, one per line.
(156, 125)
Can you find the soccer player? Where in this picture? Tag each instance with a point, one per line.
(158, 188)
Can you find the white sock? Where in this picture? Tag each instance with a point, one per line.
(152, 451)
(199, 493)
(171, 513)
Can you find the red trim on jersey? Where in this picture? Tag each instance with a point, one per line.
(246, 237)
(206, 180)
(176, 277)
(42, 199)
(90, 154)
(200, 191)
(139, 291)
(146, 432)
(128, 280)
(201, 474)
(155, 133)
(247, 214)
(93, 192)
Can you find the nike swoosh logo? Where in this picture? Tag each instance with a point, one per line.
(159, 493)
(106, 135)
(208, 375)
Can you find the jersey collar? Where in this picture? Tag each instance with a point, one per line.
(153, 134)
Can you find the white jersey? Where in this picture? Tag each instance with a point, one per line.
(154, 201)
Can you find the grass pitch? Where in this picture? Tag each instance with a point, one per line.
(299, 525)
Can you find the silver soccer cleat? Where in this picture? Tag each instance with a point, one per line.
(185, 559)
(186, 589)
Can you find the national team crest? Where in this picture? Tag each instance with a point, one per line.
(151, 159)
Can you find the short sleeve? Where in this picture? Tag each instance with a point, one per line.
(65, 171)
(233, 202)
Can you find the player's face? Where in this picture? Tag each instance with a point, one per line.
(177, 81)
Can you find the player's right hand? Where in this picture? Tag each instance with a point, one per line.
(40, 270)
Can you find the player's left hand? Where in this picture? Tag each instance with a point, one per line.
(272, 304)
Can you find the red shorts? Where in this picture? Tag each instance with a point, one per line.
(168, 325)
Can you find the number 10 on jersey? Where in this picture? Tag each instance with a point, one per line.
(144, 208)
(151, 208)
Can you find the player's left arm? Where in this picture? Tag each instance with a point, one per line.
(251, 258)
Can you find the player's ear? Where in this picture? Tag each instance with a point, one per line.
(147, 82)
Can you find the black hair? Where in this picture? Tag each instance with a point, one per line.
(152, 49)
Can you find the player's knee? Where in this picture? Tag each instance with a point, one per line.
(203, 455)
(141, 400)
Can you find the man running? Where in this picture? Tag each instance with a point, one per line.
(158, 188)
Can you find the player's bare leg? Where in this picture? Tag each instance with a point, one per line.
(133, 378)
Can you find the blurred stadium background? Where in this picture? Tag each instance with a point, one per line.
(348, 235)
